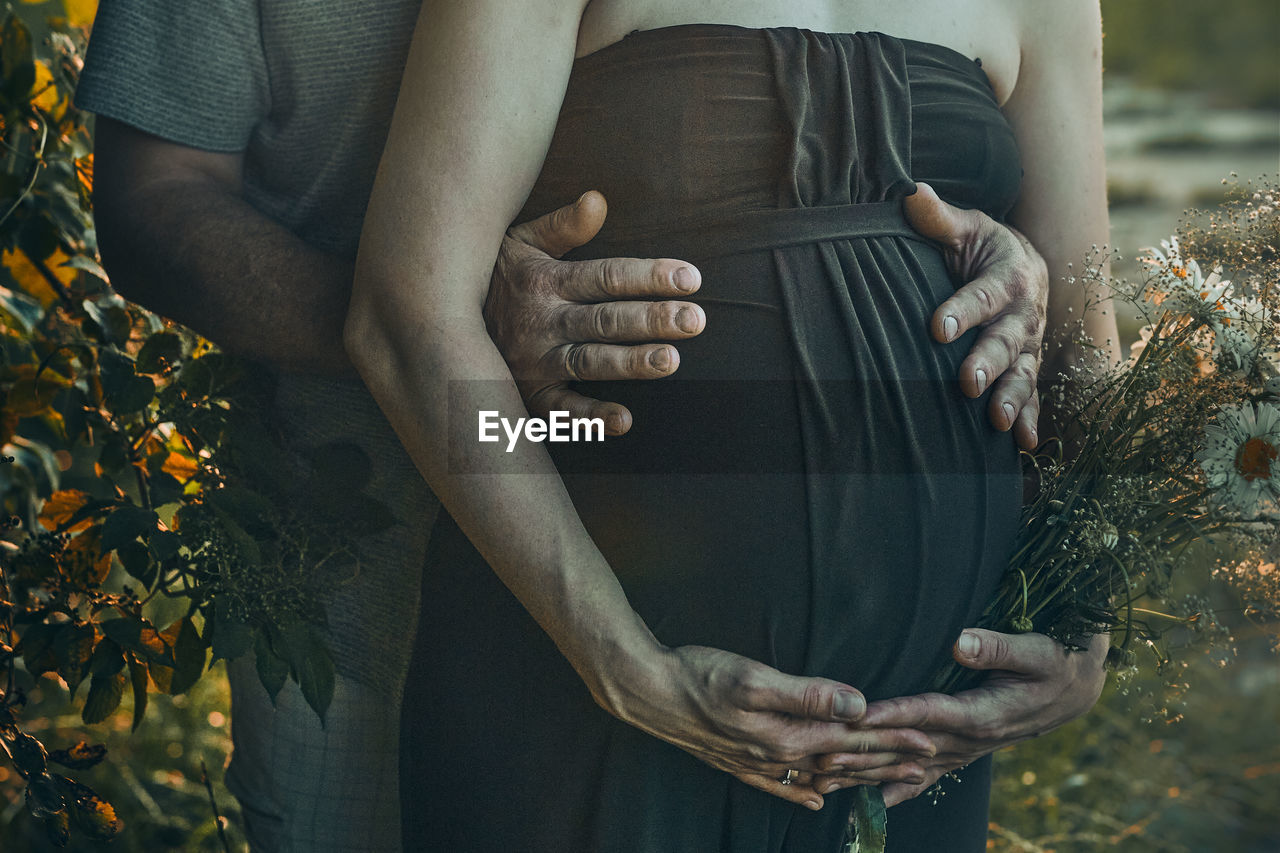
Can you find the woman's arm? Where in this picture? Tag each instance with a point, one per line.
(483, 84)
(1056, 113)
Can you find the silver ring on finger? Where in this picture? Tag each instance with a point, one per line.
(787, 778)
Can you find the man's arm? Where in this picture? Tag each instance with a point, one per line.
(178, 237)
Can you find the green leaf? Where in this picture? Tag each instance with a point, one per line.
(138, 678)
(88, 264)
(28, 754)
(16, 59)
(164, 544)
(273, 670)
(232, 637)
(189, 657)
(136, 559)
(161, 351)
(249, 509)
(107, 659)
(868, 820)
(79, 757)
(126, 524)
(113, 320)
(73, 647)
(105, 693)
(303, 645)
(115, 369)
(134, 396)
(245, 543)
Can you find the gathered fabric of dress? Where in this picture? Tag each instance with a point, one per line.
(811, 489)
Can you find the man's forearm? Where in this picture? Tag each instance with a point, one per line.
(197, 253)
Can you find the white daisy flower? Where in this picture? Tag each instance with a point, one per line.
(1239, 458)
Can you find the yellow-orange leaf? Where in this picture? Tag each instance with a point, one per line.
(60, 506)
(84, 560)
(80, 13)
(179, 466)
(44, 93)
(31, 281)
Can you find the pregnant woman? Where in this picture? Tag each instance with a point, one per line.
(853, 512)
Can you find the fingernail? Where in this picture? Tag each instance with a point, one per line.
(577, 204)
(1008, 412)
(969, 644)
(981, 376)
(812, 805)
(683, 279)
(829, 787)
(660, 359)
(849, 706)
(687, 320)
(949, 328)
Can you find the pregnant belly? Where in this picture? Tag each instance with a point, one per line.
(810, 488)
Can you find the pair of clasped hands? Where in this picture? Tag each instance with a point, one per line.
(799, 738)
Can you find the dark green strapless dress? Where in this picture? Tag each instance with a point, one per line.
(811, 489)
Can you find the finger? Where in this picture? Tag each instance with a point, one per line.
(1028, 654)
(560, 398)
(1015, 388)
(1026, 429)
(818, 699)
(626, 322)
(904, 741)
(624, 278)
(607, 362)
(566, 228)
(922, 712)
(997, 347)
(900, 792)
(801, 795)
(909, 773)
(845, 763)
(941, 222)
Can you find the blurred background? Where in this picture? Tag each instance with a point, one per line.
(1192, 108)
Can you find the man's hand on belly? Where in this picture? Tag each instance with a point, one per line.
(559, 321)
(1005, 295)
(1034, 685)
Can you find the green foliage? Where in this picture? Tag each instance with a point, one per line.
(1228, 47)
(152, 517)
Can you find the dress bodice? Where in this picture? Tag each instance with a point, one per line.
(712, 120)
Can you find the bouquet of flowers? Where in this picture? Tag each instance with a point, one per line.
(1169, 471)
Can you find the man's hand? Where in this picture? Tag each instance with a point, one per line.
(1035, 684)
(1005, 294)
(557, 321)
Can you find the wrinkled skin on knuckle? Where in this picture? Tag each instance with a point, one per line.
(815, 702)
(611, 277)
(575, 356)
(604, 322)
(1009, 342)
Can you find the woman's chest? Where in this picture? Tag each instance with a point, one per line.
(985, 29)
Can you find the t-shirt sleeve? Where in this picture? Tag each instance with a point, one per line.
(190, 72)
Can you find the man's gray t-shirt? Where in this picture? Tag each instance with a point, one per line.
(306, 90)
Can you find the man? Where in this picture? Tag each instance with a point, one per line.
(236, 146)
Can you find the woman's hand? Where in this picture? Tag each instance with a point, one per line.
(1035, 685)
(757, 723)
